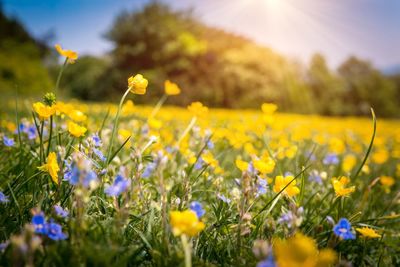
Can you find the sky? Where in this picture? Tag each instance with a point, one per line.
(369, 29)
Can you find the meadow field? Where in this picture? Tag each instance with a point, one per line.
(95, 184)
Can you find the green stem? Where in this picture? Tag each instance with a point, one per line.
(50, 135)
(115, 126)
(188, 251)
(158, 106)
(41, 141)
(59, 76)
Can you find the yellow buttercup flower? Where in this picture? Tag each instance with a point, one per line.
(339, 185)
(281, 182)
(349, 162)
(124, 134)
(209, 159)
(138, 84)
(69, 54)
(387, 182)
(197, 109)
(380, 156)
(269, 108)
(77, 115)
(185, 223)
(154, 123)
(63, 108)
(301, 250)
(242, 165)
(43, 111)
(75, 129)
(171, 88)
(368, 232)
(265, 165)
(51, 166)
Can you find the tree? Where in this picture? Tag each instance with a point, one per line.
(82, 79)
(366, 87)
(326, 88)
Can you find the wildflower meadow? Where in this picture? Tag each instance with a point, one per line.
(120, 184)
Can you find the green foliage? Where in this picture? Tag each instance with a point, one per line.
(365, 86)
(82, 79)
(21, 60)
(21, 69)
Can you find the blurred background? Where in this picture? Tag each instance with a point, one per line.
(307, 56)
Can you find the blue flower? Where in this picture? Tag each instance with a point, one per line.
(223, 198)
(99, 154)
(3, 198)
(71, 174)
(287, 218)
(60, 211)
(149, 170)
(31, 131)
(119, 186)
(90, 177)
(51, 229)
(210, 144)
(199, 164)
(39, 223)
(343, 229)
(315, 177)
(197, 208)
(268, 262)
(22, 127)
(261, 186)
(96, 140)
(54, 231)
(251, 169)
(331, 159)
(8, 141)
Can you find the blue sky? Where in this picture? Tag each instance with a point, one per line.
(297, 28)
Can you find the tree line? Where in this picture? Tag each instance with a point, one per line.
(222, 69)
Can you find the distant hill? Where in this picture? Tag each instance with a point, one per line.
(21, 60)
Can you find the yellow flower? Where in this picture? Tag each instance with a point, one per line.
(301, 250)
(11, 126)
(128, 108)
(51, 166)
(197, 109)
(185, 223)
(209, 159)
(291, 152)
(75, 129)
(138, 84)
(281, 182)
(63, 108)
(123, 135)
(269, 108)
(368, 232)
(387, 182)
(349, 162)
(380, 156)
(242, 165)
(339, 185)
(264, 166)
(69, 54)
(337, 145)
(44, 111)
(77, 115)
(154, 123)
(171, 88)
